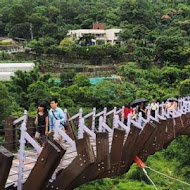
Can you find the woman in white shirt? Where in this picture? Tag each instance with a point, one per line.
(153, 107)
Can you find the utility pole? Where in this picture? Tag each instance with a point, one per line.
(31, 33)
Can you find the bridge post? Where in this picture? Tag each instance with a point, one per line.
(129, 120)
(65, 113)
(104, 115)
(44, 167)
(114, 118)
(156, 115)
(100, 128)
(93, 119)
(140, 119)
(10, 134)
(83, 160)
(56, 133)
(6, 158)
(104, 118)
(162, 109)
(22, 152)
(122, 114)
(148, 113)
(80, 127)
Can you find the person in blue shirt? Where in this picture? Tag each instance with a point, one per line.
(56, 113)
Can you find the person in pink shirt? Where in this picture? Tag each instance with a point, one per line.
(171, 106)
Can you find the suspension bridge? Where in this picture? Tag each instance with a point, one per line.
(95, 146)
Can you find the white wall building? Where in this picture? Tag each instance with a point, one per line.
(108, 36)
(7, 69)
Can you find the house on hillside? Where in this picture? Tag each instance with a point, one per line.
(9, 45)
(98, 35)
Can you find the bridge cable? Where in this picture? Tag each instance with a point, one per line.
(142, 165)
(145, 172)
(168, 176)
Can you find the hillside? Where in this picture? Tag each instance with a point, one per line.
(153, 61)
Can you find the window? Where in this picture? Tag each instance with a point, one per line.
(116, 34)
(99, 35)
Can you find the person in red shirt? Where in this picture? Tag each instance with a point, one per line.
(127, 111)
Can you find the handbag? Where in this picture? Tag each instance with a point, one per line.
(36, 121)
(64, 125)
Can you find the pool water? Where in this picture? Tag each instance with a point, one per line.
(98, 79)
(92, 80)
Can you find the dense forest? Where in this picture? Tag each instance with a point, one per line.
(153, 30)
(153, 62)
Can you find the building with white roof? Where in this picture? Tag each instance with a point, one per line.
(106, 35)
(5, 76)
(7, 69)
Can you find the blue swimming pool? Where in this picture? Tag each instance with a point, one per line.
(98, 79)
(92, 80)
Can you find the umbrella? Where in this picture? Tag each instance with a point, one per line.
(172, 99)
(137, 101)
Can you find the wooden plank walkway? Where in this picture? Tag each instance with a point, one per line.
(106, 156)
(31, 157)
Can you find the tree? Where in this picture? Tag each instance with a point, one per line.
(19, 84)
(52, 13)
(137, 12)
(170, 48)
(170, 75)
(108, 94)
(67, 44)
(143, 56)
(49, 30)
(67, 78)
(2, 28)
(37, 21)
(81, 80)
(38, 92)
(126, 34)
(37, 45)
(21, 30)
(184, 88)
(5, 102)
(17, 14)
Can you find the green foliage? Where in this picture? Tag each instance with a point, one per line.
(170, 75)
(20, 84)
(135, 179)
(67, 78)
(156, 40)
(38, 92)
(67, 44)
(179, 149)
(4, 55)
(5, 43)
(184, 88)
(5, 102)
(158, 48)
(171, 49)
(21, 30)
(81, 80)
(109, 94)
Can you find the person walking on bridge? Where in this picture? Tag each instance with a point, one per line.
(153, 107)
(41, 123)
(127, 110)
(56, 113)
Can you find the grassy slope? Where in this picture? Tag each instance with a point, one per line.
(136, 180)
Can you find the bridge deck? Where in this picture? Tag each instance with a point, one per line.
(110, 154)
(31, 157)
